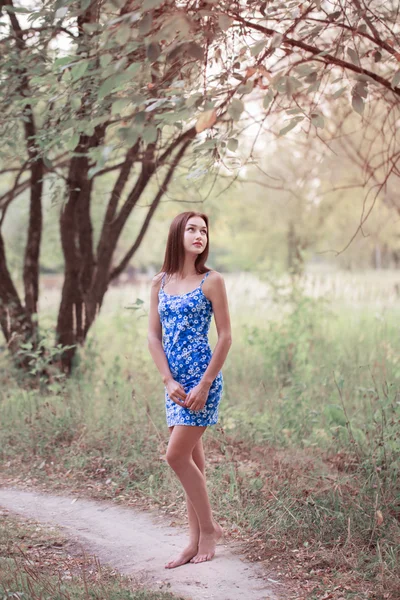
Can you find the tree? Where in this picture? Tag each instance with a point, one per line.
(127, 86)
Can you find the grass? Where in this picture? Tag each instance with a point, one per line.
(35, 564)
(303, 464)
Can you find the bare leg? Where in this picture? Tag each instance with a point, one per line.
(199, 459)
(194, 528)
(179, 456)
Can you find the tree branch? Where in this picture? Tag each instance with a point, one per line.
(327, 58)
(117, 270)
(32, 250)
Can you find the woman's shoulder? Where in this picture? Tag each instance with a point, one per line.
(214, 275)
(213, 281)
(157, 279)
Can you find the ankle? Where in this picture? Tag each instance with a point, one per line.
(210, 529)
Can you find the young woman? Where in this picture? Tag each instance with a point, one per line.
(183, 297)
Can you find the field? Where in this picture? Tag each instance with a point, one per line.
(38, 562)
(303, 465)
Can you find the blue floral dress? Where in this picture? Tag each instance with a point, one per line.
(185, 320)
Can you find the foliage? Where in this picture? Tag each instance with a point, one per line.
(159, 65)
(308, 433)
(122, 88)
(34, 563)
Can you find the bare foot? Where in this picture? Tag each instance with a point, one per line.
(207, 544)
(183, 558)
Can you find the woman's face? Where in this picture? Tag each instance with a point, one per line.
(195, 235)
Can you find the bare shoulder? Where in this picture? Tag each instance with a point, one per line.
(156, 281)
(215, 277)
(214, 285)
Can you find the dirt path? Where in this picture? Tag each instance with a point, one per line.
(139, 544)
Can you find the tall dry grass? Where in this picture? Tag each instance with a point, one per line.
(307, 449)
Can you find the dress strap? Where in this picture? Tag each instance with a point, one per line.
(163, 281)
(204, 278)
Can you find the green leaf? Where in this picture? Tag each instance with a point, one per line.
(95, 169)
(132, 69)
(123, 34)
(137, 305)
(167, 117)
(150, 134)
(361, 89)
(311, 77)
(353, 56)
(140, 118)
(290, 85)
(233, 144)
(335, 15)
(396, 79)
(153, 51)
(278, 82)
(76, 102)
(314, 87)
(73, 141)
(256, 49)
(276, 40)
(268, 99)
(238, 76)
(365, 78)
(195, 50)
(129, 134)
(79, 69)
(65, 60)
(155, 104)
(236, 108)
(246, 88)
(291, 125)
(145, 24)
(15, 9)
(323, 53)
(358, 104)
(304, 70)
(178, 24)
(105, 60)
(194, 100)
(119, 105)
(112, 83)
(339, 92)
(91, 27)
(150, 4)
(294, 111)
(47, 162)
(318, 120)
(224, 22)
(377, 56)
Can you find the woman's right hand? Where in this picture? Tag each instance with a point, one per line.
(176, 392)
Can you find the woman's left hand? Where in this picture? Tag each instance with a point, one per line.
(197, 397)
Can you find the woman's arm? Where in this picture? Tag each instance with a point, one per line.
(216, 293)
(154, 338)
(214, 289)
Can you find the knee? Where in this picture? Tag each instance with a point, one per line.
(175, 459)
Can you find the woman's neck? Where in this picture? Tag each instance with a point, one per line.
(189, 269)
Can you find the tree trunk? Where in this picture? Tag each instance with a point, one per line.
(15, 322)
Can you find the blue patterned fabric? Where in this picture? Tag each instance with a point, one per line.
(185, 320)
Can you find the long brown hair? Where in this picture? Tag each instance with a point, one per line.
(175, 253)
